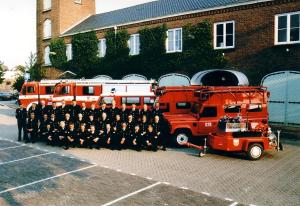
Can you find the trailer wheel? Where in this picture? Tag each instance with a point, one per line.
(181, 137)
(255, 151)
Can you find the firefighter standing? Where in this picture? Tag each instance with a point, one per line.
(32, 129)
(21, 115)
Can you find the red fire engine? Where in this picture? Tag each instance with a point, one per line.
(34, 92)
(89, 91)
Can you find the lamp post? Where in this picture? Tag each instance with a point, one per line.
(115, 29)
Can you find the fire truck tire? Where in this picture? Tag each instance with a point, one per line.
(255, 151)
(181, 137)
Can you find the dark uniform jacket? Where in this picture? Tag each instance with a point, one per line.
(32, 124)
(94, 112)
(147, 113)
(124, 115)
(54, 111)
(74, 111)
(135, 114)
(112, 113)
(21, 115)
(72, 134)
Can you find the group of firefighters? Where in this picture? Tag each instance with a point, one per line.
(78, 126)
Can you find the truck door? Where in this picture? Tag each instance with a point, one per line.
(208, 120)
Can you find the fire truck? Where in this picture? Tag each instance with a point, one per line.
(34, 92)
(136, 92)
(89, 91)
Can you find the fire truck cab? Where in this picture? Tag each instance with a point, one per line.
(214, 103)
(35, 92)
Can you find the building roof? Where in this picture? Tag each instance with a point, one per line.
(150, 11)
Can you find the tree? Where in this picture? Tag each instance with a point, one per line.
(17, 85)
(1, 72)
(34, 69)
(58, 55)
(85, 52)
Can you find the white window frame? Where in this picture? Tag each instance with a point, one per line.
(47, 5)
(102, 47)
(78, 1)
(47, 28)
(288, 41)
(69, 53)
(224, 35)
(135, 41)
(47, 60)
(174, 42)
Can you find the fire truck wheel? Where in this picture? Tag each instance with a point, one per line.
(181, 137)
(255, 151)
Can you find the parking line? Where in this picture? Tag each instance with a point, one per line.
(234, 204)
(43, 180)
(130, 194)
(6, 148)
(25, 158)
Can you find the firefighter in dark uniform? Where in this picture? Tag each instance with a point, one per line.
(151, 139)
(93, 138)
(124, 136)
(145, 112)
(158, 129)
(74, 110)
(54, 123)
(143, 129)
(80, 121)
(136, 138)
(71, 139)
(54, 110)
(103, 109)
(62, 134)
(44, 109)
(21, 115)
(111, 138)
(90, 122)
(116, 124)
(134, 112)
(103, 121)
(63, 110)
(34, 109)
(82, 136)
(84, 111)
(47, 134)
(113, 111)
(32, 128)
(93, 111)
(157, 111)
(42, 125)
(124, 113)
(130, 124)
(67, 120)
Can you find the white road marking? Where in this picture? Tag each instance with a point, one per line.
(184, 188)
(205, 193)
(234, 204)
(25, 158)
(228, 199)
(132, 174)
(105, 166)
(43, 180)
(118, 170)
(252, 205)
(130, 194)
(166, 183)
(149, 178)
(6, 148)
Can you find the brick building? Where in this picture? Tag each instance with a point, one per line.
(252, 34)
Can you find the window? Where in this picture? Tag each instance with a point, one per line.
(69, 52)
(232, 109)
(102, 47)
(47, 5)
(88, 90)
(78, 1)
(47, 56)
(254, 108)
(65, 90)
(107, 100)
(183, 105)
(131, 100)
(49, 89)
(148, 100)
(209, 112)
(287, 28)
(30, 89)
(134, 44)
(224, 35)
(47, 29)
(174, 40)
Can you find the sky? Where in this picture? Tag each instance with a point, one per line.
(18, 27)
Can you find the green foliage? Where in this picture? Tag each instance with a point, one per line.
(153, 40)
(34, 69)
(17, 85)
(117, 44)
(58, 52)
(85, 52)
